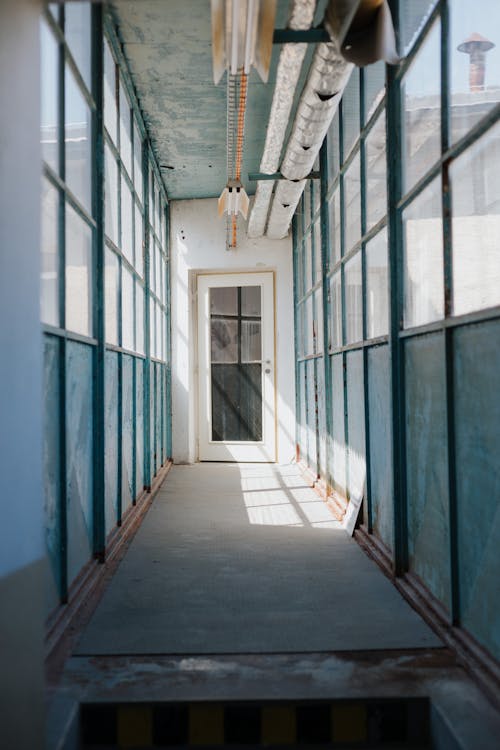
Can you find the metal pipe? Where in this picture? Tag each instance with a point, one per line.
(287, 76)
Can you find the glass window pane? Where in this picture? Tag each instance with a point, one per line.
(350, 113)
(334, 214)
(308, 263)
(333, 149)
(151, 197)
(50, 255)
(161, 273)
(335, 311)
(475, 62)
(224, 300)
(376, 173)
(77, 33)
(308, 327)
(158, 263)
(413, 15)
(125, 134)
(152, 327)
(111, 289)
(110, 115)
(374, 81)
(307, 205)
(353, 300)
(423, 258)
(377, 291)
(224, 338)
(422, 110)
(139, 229)
(317, 251)
(318, 320)
(78, 141)
(49, 137)
(475, 178)
(159, 331)
(127, 206)
(139, 318)
(250, 300)
(127, 309)
(251, 349)
(54, 9)
(352, 202)
(111, 195)
(138, 178)
(78, 274)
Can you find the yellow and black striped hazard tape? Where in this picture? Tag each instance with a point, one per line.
(270, 724)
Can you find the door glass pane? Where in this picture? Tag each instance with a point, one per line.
(224, 301)
(236, 363)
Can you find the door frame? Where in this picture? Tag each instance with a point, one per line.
(207, 450)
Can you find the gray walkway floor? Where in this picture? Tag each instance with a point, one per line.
(242, 559)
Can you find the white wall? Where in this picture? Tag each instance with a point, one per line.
(22, 566)
(198, 242)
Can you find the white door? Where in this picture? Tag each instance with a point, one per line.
(236, 367)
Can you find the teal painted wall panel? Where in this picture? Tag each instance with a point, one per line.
(302, 431)
(111, 441)
(158, 381)
(356, 452)
(320, 380)
(152, 419)
(51, 465)
(139, 430)
(311, 417)
(79, 458)
(477, 416)
(168, 409)
(338, 461)
(426, 456)
(127, 431)
(379, 395)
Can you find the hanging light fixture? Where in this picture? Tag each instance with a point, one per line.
(242, 37)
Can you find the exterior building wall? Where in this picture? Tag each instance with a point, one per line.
(198, 241)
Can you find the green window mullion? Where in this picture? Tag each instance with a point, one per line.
(395, 243)
(98, 302)
(448, 310)
(362, 109)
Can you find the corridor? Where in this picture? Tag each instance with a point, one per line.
(250, 356)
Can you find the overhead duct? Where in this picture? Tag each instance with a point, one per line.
(367, 23)
(287, 76)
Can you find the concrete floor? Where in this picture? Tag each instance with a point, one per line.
(239, 587)
(242, 559)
